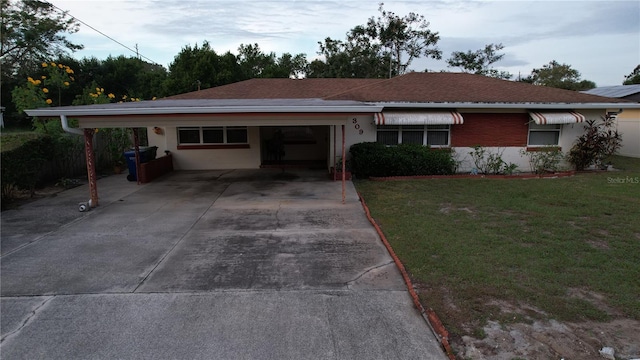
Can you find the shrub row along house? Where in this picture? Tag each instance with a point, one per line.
(261, 122)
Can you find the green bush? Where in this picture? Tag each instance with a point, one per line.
(374, 159)
(490, 163)
(21, 165)
(546, 160)
(597, 145)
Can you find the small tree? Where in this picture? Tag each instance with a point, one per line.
(561, 76)
(596, 146)
(480, 61)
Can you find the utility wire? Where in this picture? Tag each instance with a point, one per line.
(103, 34)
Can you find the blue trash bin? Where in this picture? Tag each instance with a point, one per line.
(147, 153)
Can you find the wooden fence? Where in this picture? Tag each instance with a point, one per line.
(72, 163)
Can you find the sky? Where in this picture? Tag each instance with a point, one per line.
(600, 39)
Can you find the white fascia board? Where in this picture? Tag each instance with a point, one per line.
(70, 111)
(539, 106)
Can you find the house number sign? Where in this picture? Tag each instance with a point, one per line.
(357, 126)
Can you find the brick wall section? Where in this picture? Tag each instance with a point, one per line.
(491, 130)
(155, 168)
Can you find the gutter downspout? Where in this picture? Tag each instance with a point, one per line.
(70, 130)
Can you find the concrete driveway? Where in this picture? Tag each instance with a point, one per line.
(205, 265)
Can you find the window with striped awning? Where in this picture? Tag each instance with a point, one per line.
(419, 118)
(555, 118)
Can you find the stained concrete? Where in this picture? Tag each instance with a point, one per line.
(238, 264)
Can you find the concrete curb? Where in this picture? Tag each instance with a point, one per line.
(428, 314)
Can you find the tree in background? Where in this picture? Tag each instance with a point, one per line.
(201, 67)
(376, 50)
(349, 60)
(125, 76)
(633, 78)
(31, 31)
(560, 76)
(408, 35)
(480, 61)
(257, 64)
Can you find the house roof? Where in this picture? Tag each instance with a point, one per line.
(462, 87)
(409, 88)
(341, 96)
(279, 89)
(618, 91)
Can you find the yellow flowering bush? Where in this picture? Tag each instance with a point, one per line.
(43, 91)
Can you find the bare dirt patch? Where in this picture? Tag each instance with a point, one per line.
(552, 340)
(526, 332)
(449, 208)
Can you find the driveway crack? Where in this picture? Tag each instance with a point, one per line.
(277, 216)
(350, 282)
(28, 319)
(334, 342)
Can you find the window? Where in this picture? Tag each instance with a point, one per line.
(432, 135)
(212, 135)
(544, 135)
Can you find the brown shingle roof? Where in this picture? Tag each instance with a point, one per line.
(279, 89)
(462, 87)
(412, 87)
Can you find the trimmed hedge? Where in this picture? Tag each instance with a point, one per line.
(375, 159)
(22, 164)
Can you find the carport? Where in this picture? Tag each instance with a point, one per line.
(251, 113)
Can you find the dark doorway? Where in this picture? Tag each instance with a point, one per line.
(294, 146)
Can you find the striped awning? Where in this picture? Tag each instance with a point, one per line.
(419, 118)
(551, 118)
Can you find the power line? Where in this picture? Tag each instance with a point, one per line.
(105, 35)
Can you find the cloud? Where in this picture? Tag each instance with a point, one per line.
(533, 32)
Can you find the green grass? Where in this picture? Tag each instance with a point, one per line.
(566, 248)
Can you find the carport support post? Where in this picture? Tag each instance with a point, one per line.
(335, 152)
(344, 161)
(136, 145)
(91, 166)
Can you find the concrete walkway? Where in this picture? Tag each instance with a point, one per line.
(201, 265)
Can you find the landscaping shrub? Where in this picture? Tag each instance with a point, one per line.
(491, 163)
(21, 164)
(545, 160)
(374, 159)
(596, 146)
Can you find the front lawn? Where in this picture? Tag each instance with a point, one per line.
(517, 250)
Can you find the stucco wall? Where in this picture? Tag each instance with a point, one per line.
(629, 127)
(205, 159)
(360, 128)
